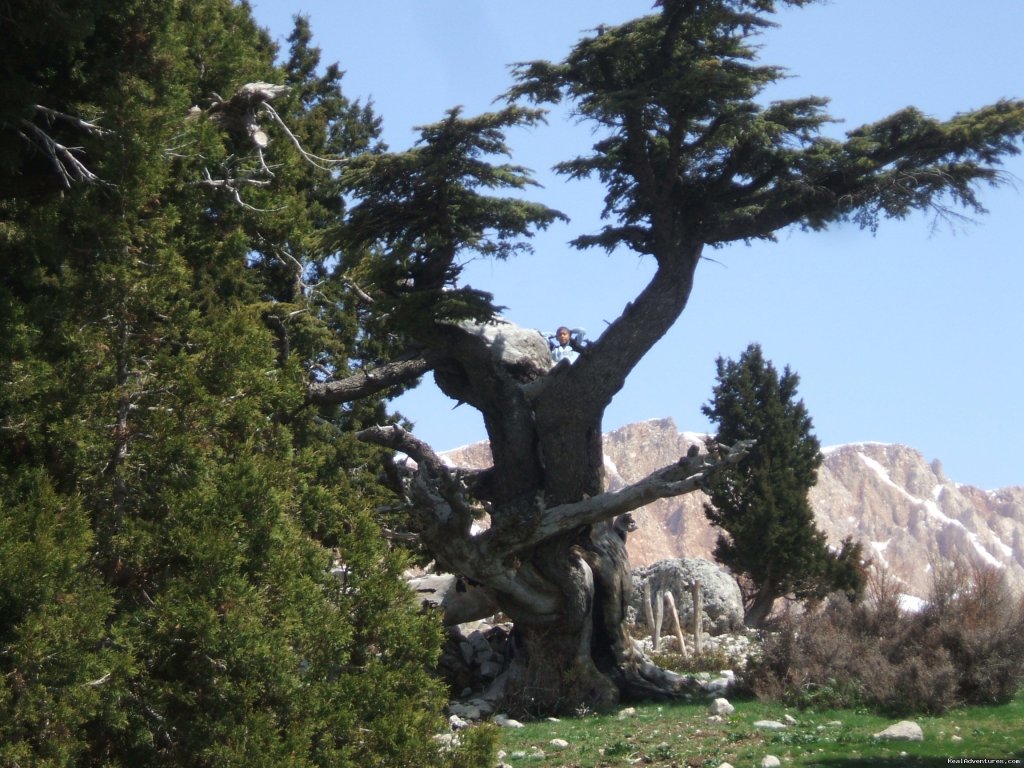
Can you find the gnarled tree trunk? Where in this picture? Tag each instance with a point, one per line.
(553, 558)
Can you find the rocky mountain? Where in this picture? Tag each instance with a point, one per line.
(909, 516)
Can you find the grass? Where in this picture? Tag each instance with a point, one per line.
(682, 736)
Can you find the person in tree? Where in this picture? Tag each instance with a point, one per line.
(566, 344)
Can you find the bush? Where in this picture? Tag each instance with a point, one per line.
(965, 647)
(719, 652)
(711, 660)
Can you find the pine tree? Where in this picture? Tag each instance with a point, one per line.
(761, 504)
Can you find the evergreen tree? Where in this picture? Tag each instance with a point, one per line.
(770, 539)
(191, 567)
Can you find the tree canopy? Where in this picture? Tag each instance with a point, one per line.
(690, 157)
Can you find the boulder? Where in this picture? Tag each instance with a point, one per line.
(504, 721)
(905, 730)
(721, 597)
(721, 706)
(524, 352)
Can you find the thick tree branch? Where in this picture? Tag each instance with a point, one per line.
(435, 490)
(486, 365)
(399, 439)
(443, 518)
(592, 381)
(366, 382)
(687, 475)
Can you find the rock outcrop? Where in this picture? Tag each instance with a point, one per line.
(720, 595)
(911, 518)
(523, 351)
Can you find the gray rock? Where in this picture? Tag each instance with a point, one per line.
(770, 761)
(485, 706)
(770, 725)
(720, 686)
(448, 741)
(490, 669)
(721, 706)
(464, 711)
(523, 351)
(905, 730)
(558, 744)
(505, 721)
(479, 642)
(721, 598)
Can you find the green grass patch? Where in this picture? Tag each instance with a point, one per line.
(681, 735)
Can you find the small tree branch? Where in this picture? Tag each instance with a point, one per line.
(63, 159)
(357, 289)
(323, 163)
(82, 125)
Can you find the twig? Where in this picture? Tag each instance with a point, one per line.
(68, 167)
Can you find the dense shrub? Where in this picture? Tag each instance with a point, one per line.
(735, 652)
(966, 646)
(710, 660)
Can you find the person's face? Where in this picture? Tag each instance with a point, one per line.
(562, 336)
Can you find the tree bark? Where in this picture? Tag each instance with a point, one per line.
(759, 608)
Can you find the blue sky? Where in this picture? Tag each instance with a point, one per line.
(911, 335)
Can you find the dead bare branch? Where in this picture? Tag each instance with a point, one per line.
(64, 160)
(323, 163)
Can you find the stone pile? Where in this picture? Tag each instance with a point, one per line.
(474, 655)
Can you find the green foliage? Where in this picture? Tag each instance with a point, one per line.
(53, 611)
(761, 504)
(191, 572)
(689, 154)
(420, 213)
